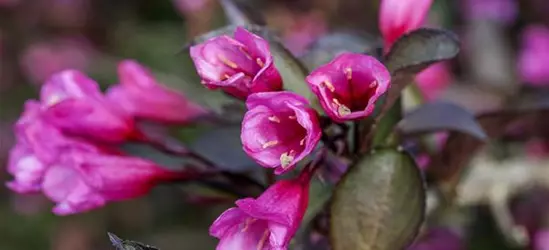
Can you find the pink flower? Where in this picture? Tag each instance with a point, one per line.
(438, 239)
(240, 66)
(398, 17)
(541, 240)
(189, 6)
(349, 86)
(279, 129)
(39, 144)
(43, 59)
(74, 103)
(303, 32)
(433, 80)
(504, 11)
(143, 97)
(82, 181)
(533, 59)
(268, 222)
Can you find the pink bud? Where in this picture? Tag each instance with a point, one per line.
(268, 222)
(82, 181)
(533, 59)
(279, 129)
(143, 97)
(398, 17)
(74, 103)
(433, 80)
(240, 66)
(349, 86)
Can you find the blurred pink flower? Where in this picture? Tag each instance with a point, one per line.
(187, 6)
(268, 222)
(504, 11)
(541, 240)
(143, 97)
(67, 13)
(434, 80)
(74, 103)
(304, 31)
(43, 59)
(399, 17)
(438, 239)
(533, 59)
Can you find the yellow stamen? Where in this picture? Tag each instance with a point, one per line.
(274, 119)
(373, 84)
(225, 77)
(227, 62)
(302, 142)
(349, 73)
(259, 62)
(269, 144)
(286, 159)
(263, 240)
(341, 109)
(292, 117)
(329, 85)
(54, 99)
(245, 52)
(247, 224)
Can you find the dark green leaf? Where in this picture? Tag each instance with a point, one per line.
(223, 147)
(379, 204)
(436, 116)
(327, 47)
(417, 50)
(414, 52)
(121, 244)
(241, 13)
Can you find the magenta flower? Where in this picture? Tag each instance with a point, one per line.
(349, 85)
(398, 17)
(503, 11)
(143, 97)
(82, 181)
(74, 103)
(42, 59)
(39, 144)
(533, 59)
(433, 80)
(541, 240)
(279, 129)
(240, 66)
(438, 239)
(268, 222)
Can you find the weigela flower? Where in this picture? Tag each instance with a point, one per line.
(398, 17)
(433, 80)
(349, 86)
(268, 222)
(74, 103)
(81, 181)
(240, 66)
(143, 97)
(533, 56)
(279, 129)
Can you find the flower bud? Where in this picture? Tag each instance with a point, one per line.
(398, 17)
(279, 129)
(349, 86)
(74, 103)
(240, 66)
(143, 97)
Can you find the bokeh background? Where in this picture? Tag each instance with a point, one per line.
(505, 53)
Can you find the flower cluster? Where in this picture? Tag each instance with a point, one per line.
(280, 127)
(66, 142)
